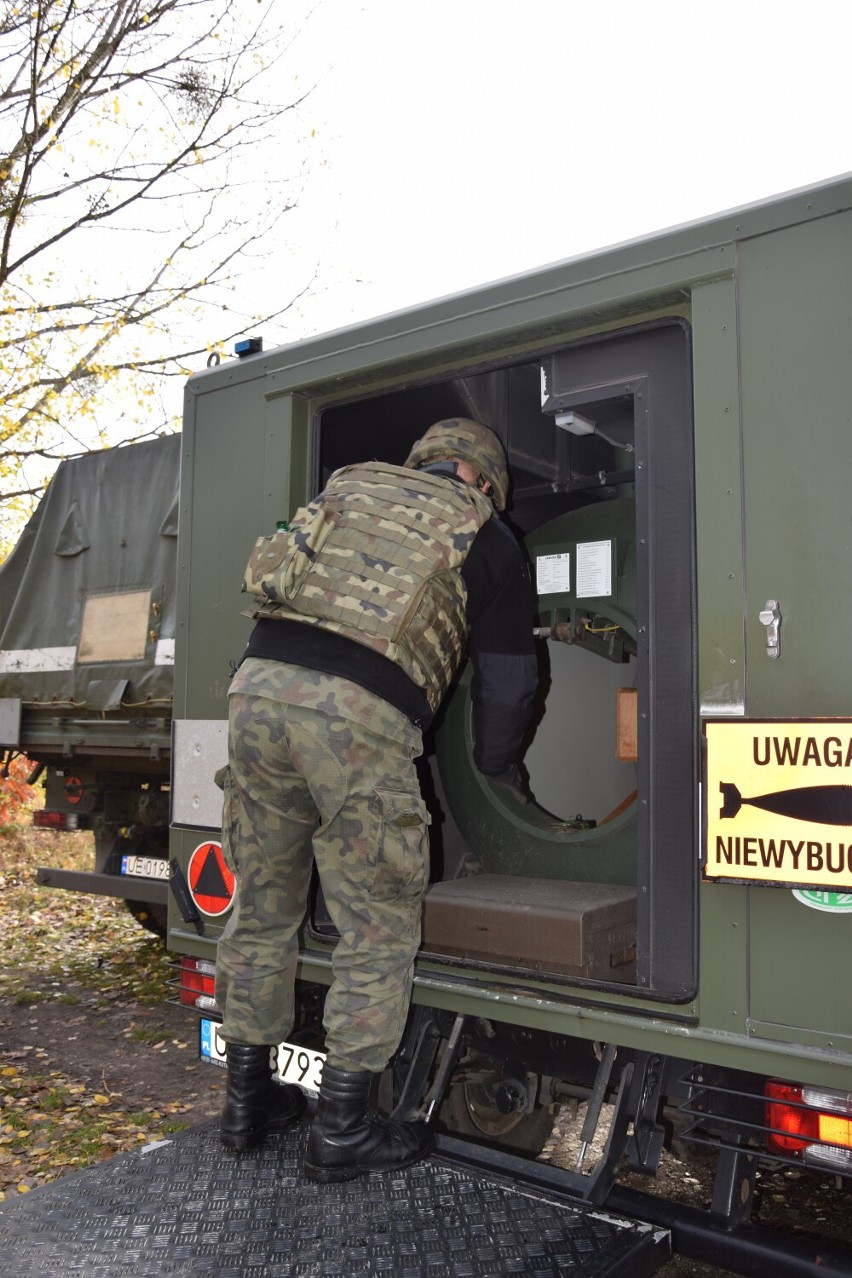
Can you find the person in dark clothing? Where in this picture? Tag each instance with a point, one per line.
(365, 608)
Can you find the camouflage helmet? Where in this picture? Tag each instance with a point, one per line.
(466, 440)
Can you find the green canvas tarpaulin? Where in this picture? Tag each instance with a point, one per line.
(87, 597)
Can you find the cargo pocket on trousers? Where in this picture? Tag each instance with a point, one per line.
(402, 846)
(225, 781)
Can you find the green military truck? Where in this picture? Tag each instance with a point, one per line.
(664, 932)
(87, 625)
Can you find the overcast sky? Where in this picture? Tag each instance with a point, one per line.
(459, 141)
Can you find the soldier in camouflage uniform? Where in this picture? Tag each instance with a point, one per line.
(365, 607)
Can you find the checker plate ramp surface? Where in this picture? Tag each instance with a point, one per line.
(187, 1207)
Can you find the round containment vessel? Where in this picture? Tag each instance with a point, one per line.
(582, 822)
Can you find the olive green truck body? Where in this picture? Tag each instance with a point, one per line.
(668, 925)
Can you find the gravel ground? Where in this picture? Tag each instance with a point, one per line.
(809, 1205)
(676, 1179)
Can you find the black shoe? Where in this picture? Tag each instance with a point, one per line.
(254, 1104)
(346, 1140)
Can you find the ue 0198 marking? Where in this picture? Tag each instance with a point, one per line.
(211, 883)
(145, 867)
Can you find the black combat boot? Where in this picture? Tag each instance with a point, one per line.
(253, 1103)
(347, 1140)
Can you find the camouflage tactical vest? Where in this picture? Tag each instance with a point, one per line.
(376, 558)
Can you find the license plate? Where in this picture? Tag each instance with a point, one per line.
(293, 1064)
(145, 867)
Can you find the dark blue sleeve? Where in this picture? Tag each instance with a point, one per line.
(501, 614)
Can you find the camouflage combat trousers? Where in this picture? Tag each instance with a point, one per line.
(321, 770)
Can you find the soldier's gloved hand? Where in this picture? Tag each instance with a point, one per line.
(509, 783)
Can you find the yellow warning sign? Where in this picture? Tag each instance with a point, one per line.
(778, 802)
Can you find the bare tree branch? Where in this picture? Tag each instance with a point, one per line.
(139, 120)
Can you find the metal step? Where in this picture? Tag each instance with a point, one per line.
(187, 1207)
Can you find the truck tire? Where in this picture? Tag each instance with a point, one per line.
(472, 1110)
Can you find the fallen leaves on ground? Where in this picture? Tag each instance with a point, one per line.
(58, 934)
(82, 951)
(50, 1125)
(51, 935)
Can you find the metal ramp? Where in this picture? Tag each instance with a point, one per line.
(185, 1207)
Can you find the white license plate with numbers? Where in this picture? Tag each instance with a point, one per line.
(294, 1064)
(145, 867)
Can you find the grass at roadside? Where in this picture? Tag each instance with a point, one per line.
(71, 949)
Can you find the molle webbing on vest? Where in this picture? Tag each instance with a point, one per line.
(376, 558)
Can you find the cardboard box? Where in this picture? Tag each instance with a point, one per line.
(584, 930)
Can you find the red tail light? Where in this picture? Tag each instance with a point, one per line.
(197, 983)
(56, 820)
(811, 1123)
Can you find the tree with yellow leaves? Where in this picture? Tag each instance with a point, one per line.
(127, 204)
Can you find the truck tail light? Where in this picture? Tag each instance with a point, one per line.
(197, 983)
(56, 820)
(810, 1123)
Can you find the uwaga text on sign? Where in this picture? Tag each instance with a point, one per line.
(771, 814)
